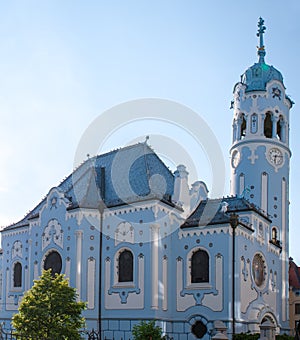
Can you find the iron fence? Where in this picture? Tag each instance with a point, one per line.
(9, 334)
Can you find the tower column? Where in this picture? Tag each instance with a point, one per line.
(79, 237)
(274, 126)
(238, 132)
(247, 119)
(285, 256)
(262, 125)
(234, 131)
(154, 269)
(283, 127)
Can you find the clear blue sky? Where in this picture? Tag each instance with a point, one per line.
(63, 63)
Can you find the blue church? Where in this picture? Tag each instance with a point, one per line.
(139, 242)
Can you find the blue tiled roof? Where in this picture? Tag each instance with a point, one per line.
(122, 176)
(257, 76)
(130, 174)
(210, 212)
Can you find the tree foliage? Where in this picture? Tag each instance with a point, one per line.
(147, 331)
(49, 310)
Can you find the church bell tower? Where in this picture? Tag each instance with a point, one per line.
(260, 153)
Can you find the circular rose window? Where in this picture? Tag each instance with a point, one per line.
(259, 269)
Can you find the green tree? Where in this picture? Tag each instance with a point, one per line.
(49, 310)
(284, 337)
(147, 331)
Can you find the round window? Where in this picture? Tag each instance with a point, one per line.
(53, 261)
(259, 269)
(199, 329)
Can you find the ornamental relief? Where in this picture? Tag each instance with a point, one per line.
(16, 249)
(52, 232)
(124, 233)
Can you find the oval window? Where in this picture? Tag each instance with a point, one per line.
(258, 269)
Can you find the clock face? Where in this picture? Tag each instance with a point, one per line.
(275, 156)
(235, 158)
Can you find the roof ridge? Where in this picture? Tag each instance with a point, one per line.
(95, 162)
(96, 157)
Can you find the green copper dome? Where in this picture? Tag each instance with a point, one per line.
(257, 76)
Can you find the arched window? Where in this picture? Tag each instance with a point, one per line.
(274, 235)
(126, 266)
(268, 125)
(53, 261)
(200, 267)
(17, 274)
(243, 126)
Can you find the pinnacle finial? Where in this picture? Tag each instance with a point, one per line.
(261, 48)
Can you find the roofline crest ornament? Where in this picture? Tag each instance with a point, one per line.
(261, 48)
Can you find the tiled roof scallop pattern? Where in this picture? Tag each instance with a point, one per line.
(125, 175)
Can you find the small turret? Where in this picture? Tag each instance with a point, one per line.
(181, 194)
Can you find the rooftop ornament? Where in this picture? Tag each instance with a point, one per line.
(261, 48)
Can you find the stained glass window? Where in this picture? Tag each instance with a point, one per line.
(53, 261)
(17, 274)
(126, 266)
(200, 267)
(258, 269)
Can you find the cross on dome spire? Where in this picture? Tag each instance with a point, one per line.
(261, 48)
